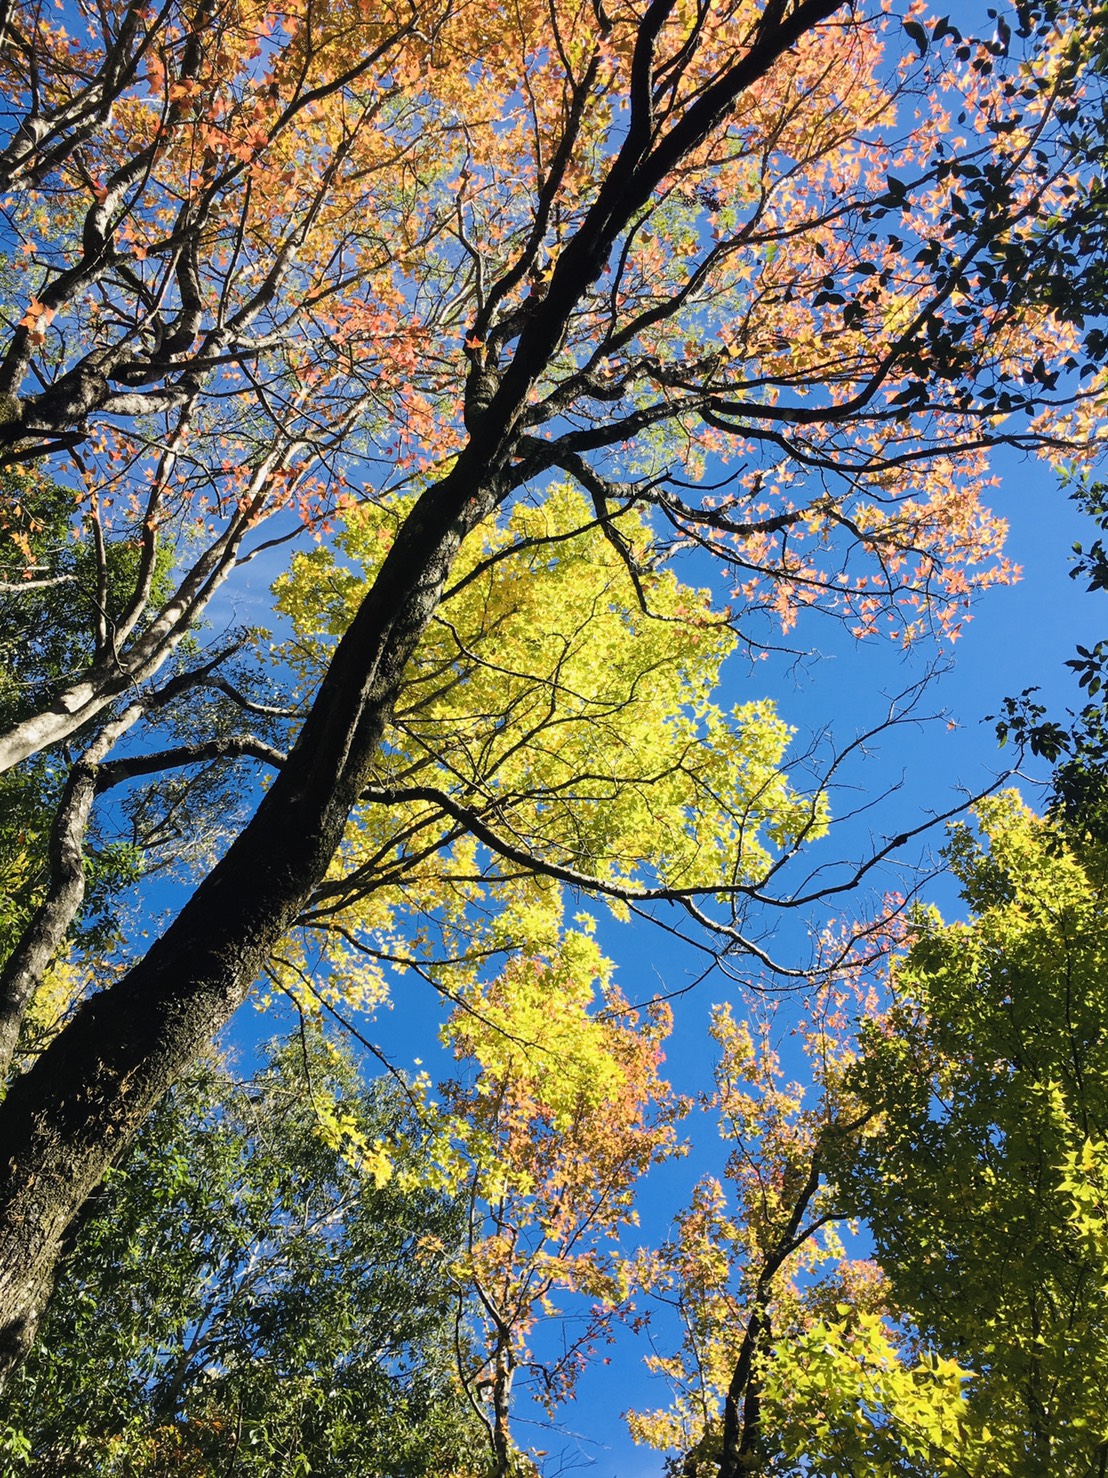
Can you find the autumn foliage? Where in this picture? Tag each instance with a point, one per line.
(267, 260)
(511, 308)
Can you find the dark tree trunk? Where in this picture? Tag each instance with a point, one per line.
(64, 1122)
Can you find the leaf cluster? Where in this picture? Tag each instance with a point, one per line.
(237, 1287)
(981, 1184)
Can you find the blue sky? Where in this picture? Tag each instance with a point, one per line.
(1019, 635)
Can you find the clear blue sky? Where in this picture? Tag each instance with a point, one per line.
(1020, 635)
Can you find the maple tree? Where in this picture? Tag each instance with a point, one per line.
(560, 1109)
(591, 739)
(959, 1115)
(769, 1370)
(549, 1139)
(270, 261)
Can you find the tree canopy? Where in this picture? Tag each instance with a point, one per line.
(959, 1117)
(529, 315)
(988, 1207)
(300, 1318)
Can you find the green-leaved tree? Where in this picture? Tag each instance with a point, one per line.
(242, 1297)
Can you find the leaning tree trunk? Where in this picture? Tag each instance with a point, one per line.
(66, 1120)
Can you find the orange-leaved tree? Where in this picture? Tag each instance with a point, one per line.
(558, 1114)
(792, 1350)
(256, 260)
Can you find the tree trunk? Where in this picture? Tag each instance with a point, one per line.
(64, 1122)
